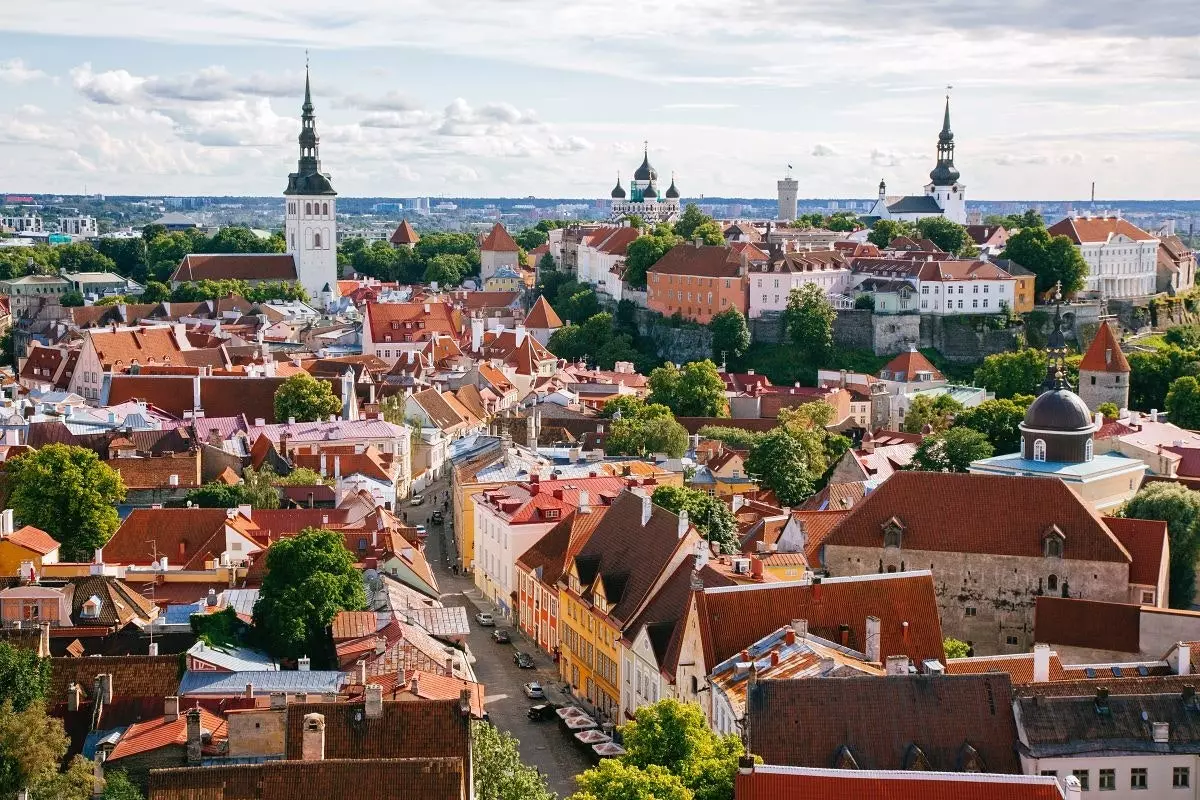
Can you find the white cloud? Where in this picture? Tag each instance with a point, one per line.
(571, 144)
(823, 151)
(114, 87)
(15, 70)
(699, 106)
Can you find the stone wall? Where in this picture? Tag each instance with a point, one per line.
(257, 732)
(852, 330)
(893, 333)
(679, 345)
(965, 339)
(1134, 315)
(769, 328)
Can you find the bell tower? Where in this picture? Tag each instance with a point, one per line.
(944, 185)
(310, 210)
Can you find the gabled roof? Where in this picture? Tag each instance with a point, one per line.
(236, 266)
(187, 537)
(144, 737)
(555, 551)
(32, 539)
(1096, 230)
(801, 783)
(418, 320)
(498, 240)
(1104, 353)
(977, 514)
(1085, 724)
(406, 729)
(404, 234)
(440, 412)
(133, 676)
(328, 779)
(886, 722)
(542, 316)
(707, 261)
(914, 204)
(1094, 624)
(119, 604)
(663, 615)
(1019, 667)
(904, 367)
(1146, 540)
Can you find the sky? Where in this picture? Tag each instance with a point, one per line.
(547, 98)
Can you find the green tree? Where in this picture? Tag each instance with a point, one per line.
(305, 399)
(885, 230)
(809, 319)
(779, 461)
(302, 476)
(948, 235)
(117, 786)
(998, 420)
(616, 779)
(24, 676)
(641, 436)
(712, 518)
(1009, 374)
(76, 782)
(642, 254)
(1152, 374)
(70, 299)
(165, 251)
(1050, 258)
(128, 255)
(156, 291)
(730, 334)
(933, 411)
(1109, 410)
(239, 239)
(1179, 507)
(956, 648)
(82, 257)
(216, 495)
(709, 233)
(1183, 402)
(219, 629)
(696, 390)
(499, 773)
(691, 219)
(531, 238)
(842, 221)
(736, 438)
(70, 494)
(951, 451)
(310, 578)
(258, 486)
(32, 745)
(675, 736)
(448, 269)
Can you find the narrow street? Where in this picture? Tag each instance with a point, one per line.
(545, 745)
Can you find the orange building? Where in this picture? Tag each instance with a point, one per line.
(698, 281)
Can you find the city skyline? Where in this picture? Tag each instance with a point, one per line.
(418, 101)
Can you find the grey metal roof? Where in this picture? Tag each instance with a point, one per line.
(915, 204)
(234, 683)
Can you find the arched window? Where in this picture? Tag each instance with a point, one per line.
(317, 240)
(308, 208)
(1087, 450)
(325, 209)
(1054, 547)
(1022, 447)
(1039, 450)
(1052, 583)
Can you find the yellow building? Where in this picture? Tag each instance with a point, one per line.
(27, 545)
(628, 557)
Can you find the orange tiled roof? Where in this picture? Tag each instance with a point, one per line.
(906, 365)
(1104, 353)
(542, 316)
(143, 737)
(33, 539)
(1083, 230)
(498, 240)
(404, 234)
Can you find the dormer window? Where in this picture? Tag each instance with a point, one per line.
(893, 532)
(1053, 542)
(91, 608)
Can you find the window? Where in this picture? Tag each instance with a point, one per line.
(1052, 583)
(1054, 547)
(1050, 773)
(970, 611)
(325, 209)
(1088, 450)
(308, 208)
(317, 239)
(1039, 450)
(1147, 598)
(1181, 777)
(1137, 778)
(1081, 775)
(1011, 640)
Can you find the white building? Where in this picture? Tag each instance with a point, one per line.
(78, 226)
(310, 220)
(771, 281)
(964, 287)
(1122, 258)
(643, 198)
(27, 223)
(498, 251)
(598, 257)
(944, 195)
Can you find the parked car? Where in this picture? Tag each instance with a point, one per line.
(523, 660)
(416, 500)
(421, 532)
(501, 636)
(542, 711)
(437, 518)
(485, 619)
(534, 691)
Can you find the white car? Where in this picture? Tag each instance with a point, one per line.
(534, 691)
(485, 619)
(416, 500)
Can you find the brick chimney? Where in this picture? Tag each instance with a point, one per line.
(873, 637)
(374, 702)
(1041, 663)
(194, 734)
(312, 747)
(171, 708)
(464, 702)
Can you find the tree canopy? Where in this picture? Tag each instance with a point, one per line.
(643, 253)
(643, 429)
(675, 736)
(809, 319)
(691, 220)
(596, 339)
(730, 335)
(499, 773)
(885, 230)
(24, 676)
(695, 390)
(305, 399)
(1050, 258)
(951, 451)
(1009, 374)
(32, 745)
(1183, 402)
(310, 578)
(997, 420)
(70, 494)
(1179, 507)
(708, 513)
(780, 463)
(936, 412)
(948, 235)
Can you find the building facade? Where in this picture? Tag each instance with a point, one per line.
(1122, 258)
(643, 198)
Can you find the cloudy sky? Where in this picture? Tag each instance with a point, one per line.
(553, 98)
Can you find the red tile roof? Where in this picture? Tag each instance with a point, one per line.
(793, 783)
(1081, 230)
(708, 261)
(404, 234)
(558, 547)
(954, 270)
(976, 514)
(1019, 667)
(353, 625)
(418, 320)
(408, 729)
(33, 539)
(1104, 353)
(1093, 624)
(905, 367)
(1146, 540)
(143, 737)
(498, 240)
(732, 619)
(236, 266)
(542, 316)
(187, 537)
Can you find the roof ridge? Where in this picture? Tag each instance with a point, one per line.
(915, 573)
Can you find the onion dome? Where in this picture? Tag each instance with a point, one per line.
(650, 191)
(645, 172)
(618, 192)
(672, 192)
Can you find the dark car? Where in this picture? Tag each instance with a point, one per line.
(523, 660)
(542, 711)
(501, 636)
(436, 518)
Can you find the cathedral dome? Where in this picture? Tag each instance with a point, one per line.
(944, 174)
(672, 192)
(645, 172)
(618, 192)
(650, 191)
(1059, 410)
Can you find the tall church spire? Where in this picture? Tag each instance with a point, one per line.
(308, 178)
(945, 173)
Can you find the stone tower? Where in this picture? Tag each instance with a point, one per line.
(788, 188)
(310, 211)
(1104, 371)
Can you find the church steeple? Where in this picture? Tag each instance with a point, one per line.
(308, 178)
(945, 173)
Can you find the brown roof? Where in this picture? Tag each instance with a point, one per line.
(119, 604)
(353, 625)
(707, 261)
(1018, 667)
(404, 234)
(735, 617)
(1082, 230)
(407, 729)
(773, 783)
(542, 315)
(499, 240)
(905, 367)
(1146, 541)
(1104, 353)
(33, 539)
(43, 363)
(236, 266)
(836, 496)
(976, 514)
(155, 472)
(558, 547)
(187, 537)
(154, 734)
(899, 722)
(220, 396)
(417, 320)
(443, 415)
(133, 676)
(421, 779)
(1094, 624)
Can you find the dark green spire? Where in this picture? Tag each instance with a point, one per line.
(308, 179)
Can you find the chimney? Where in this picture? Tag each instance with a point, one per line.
(249, 691)
(745, 765)
(304, 664)
(361, 664)
(1160, 732)
(896, 665)
(1041, 663)
(789, 637)
(683, 523)
(380, 645)
(74, 696)
(374, 702)
(106, 687)
(1102, 700)
(519, 334)
(278, 701)
(152, 649)
(6, 522)
(584, 507)
(647, 507)
(464, 702)
(414, 686)
(873, 636)
(44, 640)
(337, 466)
(194, 741)
(1183, 659)
(774, 658)
(171, 708)
(1098, 420)
(1071, 788)
(312, 747)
